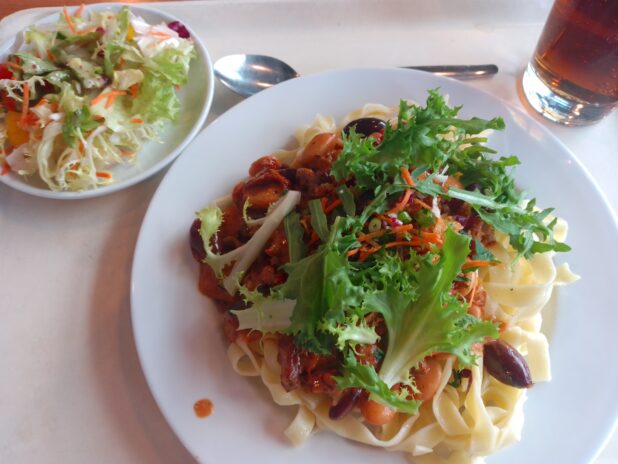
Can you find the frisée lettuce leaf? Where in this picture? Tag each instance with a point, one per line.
(422, 318)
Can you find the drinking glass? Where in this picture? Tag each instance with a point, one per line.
(573, 76)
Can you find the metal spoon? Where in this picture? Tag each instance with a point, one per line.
(249, 74)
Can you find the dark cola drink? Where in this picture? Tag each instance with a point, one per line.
(573, 76)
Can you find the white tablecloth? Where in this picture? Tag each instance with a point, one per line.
(71, 387)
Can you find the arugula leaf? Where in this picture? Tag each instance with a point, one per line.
(418, 139)
(526, 226)
(489, 176)
(294, 234)
(481, 253)
(347, 200)
(318, 219)
(432, 139)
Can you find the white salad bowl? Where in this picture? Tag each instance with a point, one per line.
(195, 102)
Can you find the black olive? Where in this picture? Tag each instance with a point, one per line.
(506, 364)
(365, 126)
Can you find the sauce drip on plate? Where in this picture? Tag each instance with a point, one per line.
(203, 408)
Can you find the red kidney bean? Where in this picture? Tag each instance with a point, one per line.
(349, 399)
(289, 360)
(195, 241)
(506, 364)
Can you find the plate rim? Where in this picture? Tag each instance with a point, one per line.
(204, 60)
(230, 113)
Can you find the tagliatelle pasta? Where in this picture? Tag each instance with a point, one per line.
(493, 412)
(471, 414)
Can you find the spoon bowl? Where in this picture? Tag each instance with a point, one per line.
(249, 74)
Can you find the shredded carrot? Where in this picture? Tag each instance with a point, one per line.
(40, 103)
(422, 203)
(415, 241)
(332, 206)
(104, 174)
(352, 252)
(50, 56)
(371, 235)
(365, 251)
(407, 177)
(112, 94)
(478, 263)
(401, 204)
(374, 244)
(473, 290)
(133, 90)
(24, 105)
(160, 34)
(137, 120)
(402, 229)
(177, 86)
(432, 237)
(98, 98)
(5, 169)
(112, 98)
(79, 11)
(120, 62)
(67, 16)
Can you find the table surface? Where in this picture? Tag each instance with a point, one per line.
(71, 386)
(10, 6)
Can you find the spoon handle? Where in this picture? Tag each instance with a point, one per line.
(459, 71)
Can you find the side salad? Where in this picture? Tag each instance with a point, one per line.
(84, 94)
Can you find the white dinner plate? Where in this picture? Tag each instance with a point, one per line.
(178, 330)
(195, 101)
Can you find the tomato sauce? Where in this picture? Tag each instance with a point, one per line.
(203, 408)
